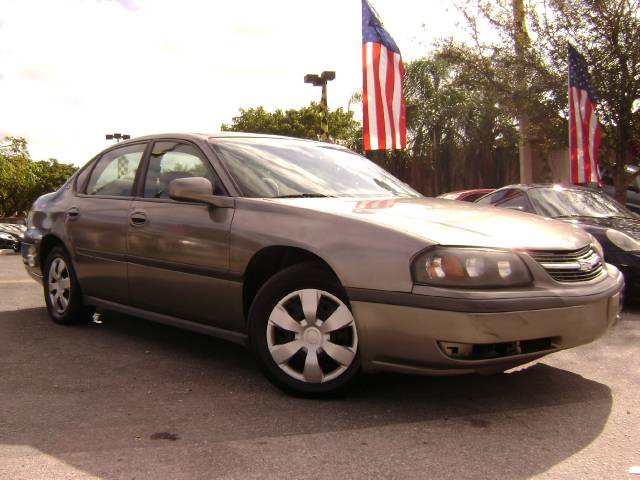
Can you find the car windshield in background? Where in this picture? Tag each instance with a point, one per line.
(562, 202)
(273, 167)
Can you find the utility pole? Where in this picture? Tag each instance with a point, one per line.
(522, 44)
(321, 81)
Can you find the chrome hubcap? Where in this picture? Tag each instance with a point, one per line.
(311, 336)
(59, 285)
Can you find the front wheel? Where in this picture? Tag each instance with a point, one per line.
(303, 332)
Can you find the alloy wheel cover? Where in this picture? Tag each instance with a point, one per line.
(59, 285)
(311, 335)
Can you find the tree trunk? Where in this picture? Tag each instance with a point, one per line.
(521, 41)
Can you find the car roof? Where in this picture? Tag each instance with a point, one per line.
(530, 186)
(206, 136)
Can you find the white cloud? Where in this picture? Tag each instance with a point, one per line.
(73, 70)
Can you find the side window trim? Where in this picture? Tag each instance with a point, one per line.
(144, 168)
(141, 174)
(88, 169)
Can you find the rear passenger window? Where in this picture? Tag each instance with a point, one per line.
(516, 202)
(115, 172)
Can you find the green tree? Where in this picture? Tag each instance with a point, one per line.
(300, 123)
(23, 180)
(457, 128)
(50, 175)
(16, 176)
(607, 33)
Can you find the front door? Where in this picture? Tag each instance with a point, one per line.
(179, 251)
(97, 222)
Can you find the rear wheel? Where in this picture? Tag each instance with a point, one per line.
(61, 290)
(303, 332)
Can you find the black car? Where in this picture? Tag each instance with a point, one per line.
(616, 227)
(11, 236)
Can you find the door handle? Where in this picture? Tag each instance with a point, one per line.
(73, 213)
(137, 219)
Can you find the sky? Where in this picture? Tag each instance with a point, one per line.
(72, 71)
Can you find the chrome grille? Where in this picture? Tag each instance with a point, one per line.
(570, 266)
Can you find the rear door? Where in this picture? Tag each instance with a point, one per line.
(179, 251)
(97, 223)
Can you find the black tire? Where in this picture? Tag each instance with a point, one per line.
(74, 312)
(281, 285)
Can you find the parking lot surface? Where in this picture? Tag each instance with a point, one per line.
(129, 399)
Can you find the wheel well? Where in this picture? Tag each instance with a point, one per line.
(46, 245)
(269, 261)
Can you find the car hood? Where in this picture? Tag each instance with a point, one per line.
(628, 225)
(449, 222)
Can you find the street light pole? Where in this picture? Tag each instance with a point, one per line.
(117, 136)
(321, 81)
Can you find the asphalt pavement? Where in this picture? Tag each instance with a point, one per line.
(130, 399)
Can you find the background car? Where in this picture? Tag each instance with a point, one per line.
(11, 236)
(633, 189)
(466, 195)
(614, 226)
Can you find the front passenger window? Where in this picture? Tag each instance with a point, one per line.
(115, 172)
(172, 160)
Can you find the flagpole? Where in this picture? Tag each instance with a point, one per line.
(569, 117)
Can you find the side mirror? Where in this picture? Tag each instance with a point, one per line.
(197, 189)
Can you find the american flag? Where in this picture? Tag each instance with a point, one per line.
(584, 129)
(384, 124)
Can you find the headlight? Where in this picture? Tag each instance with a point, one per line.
(622, 240)
(470, 267)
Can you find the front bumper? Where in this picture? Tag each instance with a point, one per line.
(411, 339)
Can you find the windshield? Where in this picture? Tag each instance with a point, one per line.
(280, 167)
(563, 202)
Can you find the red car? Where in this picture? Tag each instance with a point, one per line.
(467, 195)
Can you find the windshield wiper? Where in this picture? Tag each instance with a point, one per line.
(304, 195)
